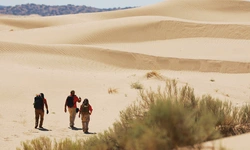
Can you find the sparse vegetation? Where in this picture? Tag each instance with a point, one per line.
(212, 80)
(41, 143)
(169, 118)
(112, 90)
(154, 74)
(136, 85)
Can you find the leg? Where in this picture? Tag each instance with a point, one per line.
(85, 123)
(41, 118)
(36, 117)
(72, 115)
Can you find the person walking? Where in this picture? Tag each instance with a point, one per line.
(70, 102)
(85, 111)
(39, 102)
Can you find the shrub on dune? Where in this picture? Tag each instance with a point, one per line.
(152, 74)
(112, 90)
(136, 85)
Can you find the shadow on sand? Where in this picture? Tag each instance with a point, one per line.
(43, 129)
(75, 128)
(89, 133)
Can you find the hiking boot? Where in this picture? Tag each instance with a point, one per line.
(40, 127)
(35, 126)
(86, 132)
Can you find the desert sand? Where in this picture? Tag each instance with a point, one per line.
(204, 43)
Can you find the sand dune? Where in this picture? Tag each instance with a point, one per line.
(122, 59)
(191, 41)
(130, 29)
(206, 10)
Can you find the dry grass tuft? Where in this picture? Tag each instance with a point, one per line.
(137, 85)
(112, 90)
(154, 74)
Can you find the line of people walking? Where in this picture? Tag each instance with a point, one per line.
(70, 105)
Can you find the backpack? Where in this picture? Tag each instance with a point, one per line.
(85, 108)
(38, 102)
(70, 101)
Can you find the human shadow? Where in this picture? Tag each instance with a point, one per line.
(75, 128)
(43, 129)
(89, 132)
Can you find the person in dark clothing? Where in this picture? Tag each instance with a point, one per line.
(39, 103)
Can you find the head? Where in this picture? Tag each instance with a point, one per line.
(86, 101)
(42, 95)
(72, 92)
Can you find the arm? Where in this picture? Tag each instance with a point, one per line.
(65, 106)
(80, 111)
(90, 109)
(46, 105)
(79, 99)
(76, 99)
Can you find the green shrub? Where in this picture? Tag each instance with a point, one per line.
(41, 143)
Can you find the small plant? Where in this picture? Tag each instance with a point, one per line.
(212, 80)
(137, 85)
(153, 74)
(41, 143)
(112, 90)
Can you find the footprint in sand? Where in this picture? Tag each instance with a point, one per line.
(7, 139)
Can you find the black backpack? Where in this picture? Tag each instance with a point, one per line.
(70, 101)
(38, 102)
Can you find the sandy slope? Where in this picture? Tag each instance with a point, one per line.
(191, 41)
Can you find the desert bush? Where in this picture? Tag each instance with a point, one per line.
(136, 85)
(152, 74)
(212, 80)
(112, 90)
(68, 143)
(41, 143)
(45, 143)
(166, 118)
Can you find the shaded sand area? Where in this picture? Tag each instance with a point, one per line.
(205, 44)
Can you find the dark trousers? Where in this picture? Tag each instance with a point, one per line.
(39, 114)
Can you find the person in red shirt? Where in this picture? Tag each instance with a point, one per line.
(85, 111)
(39, 109)
(72, 108)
